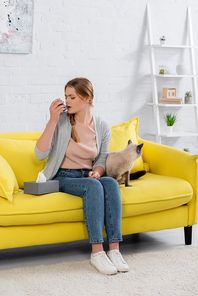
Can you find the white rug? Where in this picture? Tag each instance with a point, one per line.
(167, 273)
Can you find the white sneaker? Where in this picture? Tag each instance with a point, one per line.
(102, 263)
(117, 259)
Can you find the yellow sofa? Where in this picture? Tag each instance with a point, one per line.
(164, 198)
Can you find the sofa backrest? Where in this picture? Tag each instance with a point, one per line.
(33, 136)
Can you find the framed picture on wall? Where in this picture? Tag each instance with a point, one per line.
(16, 26)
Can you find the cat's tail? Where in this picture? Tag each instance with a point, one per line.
(137, 175)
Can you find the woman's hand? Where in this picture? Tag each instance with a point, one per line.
(94, 175)
(44, 142)
(55, 109)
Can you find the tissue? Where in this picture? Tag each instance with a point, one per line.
(41, 178)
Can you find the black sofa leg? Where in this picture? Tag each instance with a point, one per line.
(188, 235)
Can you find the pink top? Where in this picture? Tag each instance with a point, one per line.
(81, 155)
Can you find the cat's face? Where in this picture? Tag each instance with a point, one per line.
(137, 149)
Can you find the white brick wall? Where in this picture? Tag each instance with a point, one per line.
(105, 41)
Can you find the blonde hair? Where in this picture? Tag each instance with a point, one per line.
(84, 89)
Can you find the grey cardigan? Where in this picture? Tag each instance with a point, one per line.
(60, 141)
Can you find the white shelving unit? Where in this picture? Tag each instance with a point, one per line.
(154, 76)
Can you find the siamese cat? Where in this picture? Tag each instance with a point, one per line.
(120, 163)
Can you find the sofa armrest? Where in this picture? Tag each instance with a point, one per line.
(168, 161)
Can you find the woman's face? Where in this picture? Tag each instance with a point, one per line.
(74, 102)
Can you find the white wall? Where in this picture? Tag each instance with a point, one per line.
(105, 41)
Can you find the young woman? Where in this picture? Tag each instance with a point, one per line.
(76, 143)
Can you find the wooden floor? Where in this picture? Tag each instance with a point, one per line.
(80, 250)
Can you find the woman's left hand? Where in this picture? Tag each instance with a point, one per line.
(94, 175)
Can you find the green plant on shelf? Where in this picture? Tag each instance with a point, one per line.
(188, 94)
(170, 119)
(162, 38)
(186, 149)
(161, 71)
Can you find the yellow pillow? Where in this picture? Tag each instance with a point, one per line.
(20, 156)
(123, 132)
(8, 182)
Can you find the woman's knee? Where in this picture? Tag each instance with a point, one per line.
(93, 185)
(108, 181)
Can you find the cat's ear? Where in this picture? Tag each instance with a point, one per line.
(139, 147)
(129, 142)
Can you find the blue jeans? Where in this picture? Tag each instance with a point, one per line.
(101, 202)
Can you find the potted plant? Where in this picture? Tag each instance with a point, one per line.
(170, 121)
(162, 69)
(188, 97)
(162, 40)
(186, 149)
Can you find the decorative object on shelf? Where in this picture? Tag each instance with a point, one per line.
(169, 96)
(162, 40)
(170, 121)
(181, 70)
(162, 69)
(169, 92)
(188, 97)
(170, 101)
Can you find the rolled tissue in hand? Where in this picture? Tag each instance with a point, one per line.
(41, 178)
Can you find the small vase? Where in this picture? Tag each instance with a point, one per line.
(188, 100)
(169, 129)
(162, 42)
(181, 70)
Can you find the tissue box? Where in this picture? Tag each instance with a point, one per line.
(41, 188)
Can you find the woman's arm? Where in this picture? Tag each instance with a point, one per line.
(99, 164)
(103, 141)
(44, 142)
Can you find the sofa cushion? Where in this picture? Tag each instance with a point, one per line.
(153, 193)
(20, 156)
(150, 193)
(8, 181)
(123, 132)
(27, 209)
